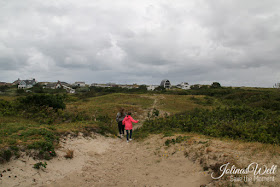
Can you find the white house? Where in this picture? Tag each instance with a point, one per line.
(25, 84)
(184, 86)
(80, 84)
(68, 89)
(54, 85)
(59, 84)
(151, 87)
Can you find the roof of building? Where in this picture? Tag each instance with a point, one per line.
(80, 82)
(29, 82)
(51, 85)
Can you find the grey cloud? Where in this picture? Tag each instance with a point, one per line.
(194, 41)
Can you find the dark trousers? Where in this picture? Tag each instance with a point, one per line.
(121, 127)
(130, 134)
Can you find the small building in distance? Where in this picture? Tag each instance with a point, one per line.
(58, 85)
(3, 83)
(184, 86)
(80, 84)
(25, 84)
(151, 87)
(16, 82)
(54, 85)
(165, 83)
(276, 85)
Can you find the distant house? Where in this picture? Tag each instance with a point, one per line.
(135, 86)
(50, 85)
(102, 85)
(151, 87)
(107, 85)
(3, 83)
(198, 86)
(276, 85)
(66, 84)
(80, 84)
(128, 86)
(43, 83)
(16, 82)
(165, 83)
(110, 84)
(54, 85)
(25, 84)
(184, 86)
(59, 84)
(68, 89)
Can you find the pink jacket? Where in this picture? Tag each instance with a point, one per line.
(127, 121)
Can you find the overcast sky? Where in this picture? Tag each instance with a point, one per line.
(234, 42)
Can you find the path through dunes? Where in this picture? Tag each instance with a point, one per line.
(108, 162)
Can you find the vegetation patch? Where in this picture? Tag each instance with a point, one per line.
(69, 154)
(178, 139)
(40, 165)
(244, 123)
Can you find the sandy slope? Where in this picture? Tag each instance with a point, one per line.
(107, 162)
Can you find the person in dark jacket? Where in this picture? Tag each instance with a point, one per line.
(120, 116)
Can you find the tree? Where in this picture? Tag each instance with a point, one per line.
(216, 85)
(159, 88)
(195, 87)
(142, 88)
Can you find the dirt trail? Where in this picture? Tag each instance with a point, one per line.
(107, 162)
(144, 116)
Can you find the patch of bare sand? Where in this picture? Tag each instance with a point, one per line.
(107, 162)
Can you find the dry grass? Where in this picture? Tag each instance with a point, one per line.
(179, 103)
(69, 154)
(209, 149)
(110, 105)
(7, 98)
(219, 152)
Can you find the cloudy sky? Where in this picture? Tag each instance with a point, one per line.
(234, 42)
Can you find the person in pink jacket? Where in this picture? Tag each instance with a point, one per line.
(127, 121)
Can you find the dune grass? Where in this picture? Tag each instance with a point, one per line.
(109, 105)
(178, 103)
(94, 114)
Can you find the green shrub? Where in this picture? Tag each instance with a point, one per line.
(6, 155)
(233, 122)
(39, 100)
(6, 108)
(40, 165)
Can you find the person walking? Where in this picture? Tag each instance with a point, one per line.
(127, 122)
(120, 116)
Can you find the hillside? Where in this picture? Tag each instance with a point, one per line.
(169, 148)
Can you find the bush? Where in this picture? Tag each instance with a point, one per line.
(38, 100)
(233, 122)
(40, 165)
(6, 155)
(6, 108)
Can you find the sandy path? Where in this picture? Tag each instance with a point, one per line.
(107, 162)
(144, 116)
